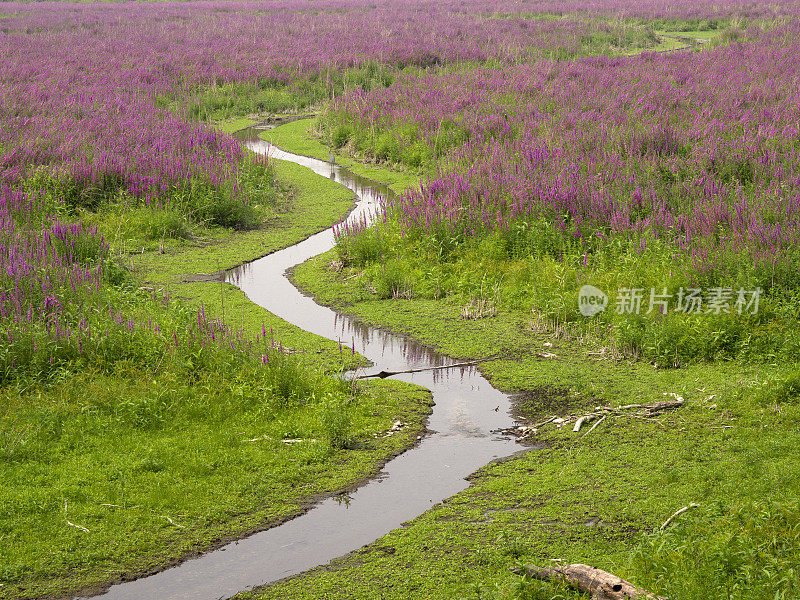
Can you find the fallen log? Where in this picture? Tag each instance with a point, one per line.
(579, 423)
(385, 374)
(600, 420)
(602, 585)
(649, 408)
(665, 405)
(520, 431)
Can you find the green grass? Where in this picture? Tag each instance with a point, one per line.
(667, 44)
(697, 35)
(677, 40)
(223, 103)
(310, 204)
(748, 551)
(119, 467)
(234, 124)
(296, 137)
(529, 267)
(191, 271)
(591, 499)
(154, 468)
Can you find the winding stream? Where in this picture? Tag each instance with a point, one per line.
(460, 441)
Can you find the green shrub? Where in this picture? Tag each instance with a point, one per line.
(153, 224)
(781, 390)
(364, 248)
(336, 421)
(393, 280)
(341, 135)
(746, 552)
(387, 148)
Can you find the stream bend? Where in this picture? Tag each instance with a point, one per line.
(467, 409)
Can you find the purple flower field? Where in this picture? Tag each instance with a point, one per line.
(85, 96)
(559, 150)
(83, 87)
(700, 150)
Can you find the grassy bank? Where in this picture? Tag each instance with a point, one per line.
(596, 497)
(298, 137)
(310, 204)
(149, 411)
(535, 202)
(586, 498)
(124, 480)
(129, 457)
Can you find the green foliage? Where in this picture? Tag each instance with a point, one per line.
(298, 91)
(125, 450)
(151, 416)
(531, 589)
(148, 224)
(749, 551)
(242, 203)
(341, 136)
(539, 270)
(393, 280)
(780, 390)
(685, 25)
(336, 421)
(220, 102)
(387, 147)
(239, 204)
(368, 246)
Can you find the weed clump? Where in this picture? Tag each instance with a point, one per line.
(748, 552)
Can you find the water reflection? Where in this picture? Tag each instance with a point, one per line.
(466, 411)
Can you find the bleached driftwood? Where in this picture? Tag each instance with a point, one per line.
(602, 585)
(649, 408)
(579, 423)
(600, 420)
(677, 513)
(81, 527)
(173, 522)
(600, 413)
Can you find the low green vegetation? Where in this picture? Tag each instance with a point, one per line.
(749, 550)
(109, 474)
(171, 413)
(494, 270)
(293, 92)
(599, 497)
(234, 124)
(150, 411)
(299, 137)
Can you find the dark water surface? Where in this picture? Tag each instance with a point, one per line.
(467, 410)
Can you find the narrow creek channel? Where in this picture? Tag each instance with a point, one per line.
(467, 409)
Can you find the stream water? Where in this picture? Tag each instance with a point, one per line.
(467, 409)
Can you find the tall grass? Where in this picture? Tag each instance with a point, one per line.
(749, 551)
(619, 173)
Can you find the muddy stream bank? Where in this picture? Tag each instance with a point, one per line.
(467, 409)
